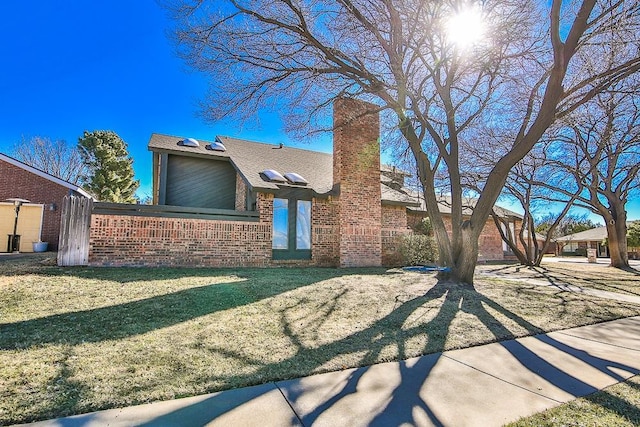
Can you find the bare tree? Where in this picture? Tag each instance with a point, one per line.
(56, 158)
(399, 54)
(530, 242)
(599, 156)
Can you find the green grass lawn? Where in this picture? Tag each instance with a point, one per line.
(75, 340)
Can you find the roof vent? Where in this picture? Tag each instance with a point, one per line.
(189, 142)
(272, 176)
(295, 178)
(216, 146)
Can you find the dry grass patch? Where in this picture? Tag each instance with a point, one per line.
(584, 275)
(615, 406)
(74, 340)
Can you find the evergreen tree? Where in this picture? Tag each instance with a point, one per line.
(110, 168)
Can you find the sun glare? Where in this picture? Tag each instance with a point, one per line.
(466, 28)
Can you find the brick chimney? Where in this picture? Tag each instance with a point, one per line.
(356, 175)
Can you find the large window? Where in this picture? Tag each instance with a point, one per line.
(303, 224)
(291, 229)
(280, 224)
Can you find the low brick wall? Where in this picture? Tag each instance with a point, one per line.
(118, 240)
(127, 240)
(123, 240)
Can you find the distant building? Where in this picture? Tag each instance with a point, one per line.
(39, 219)
(594, 238)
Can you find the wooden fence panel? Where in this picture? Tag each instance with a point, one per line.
(75, 225)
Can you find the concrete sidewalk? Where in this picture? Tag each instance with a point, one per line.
(487, 385)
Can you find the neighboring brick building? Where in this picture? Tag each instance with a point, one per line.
(309, 208)
(39, 219)
(576, 244)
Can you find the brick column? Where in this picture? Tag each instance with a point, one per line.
(356, 173)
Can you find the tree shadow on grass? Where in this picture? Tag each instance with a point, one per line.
(562, 279)
(403, 403)
(141, 316)
(372, 341)
(554, 279)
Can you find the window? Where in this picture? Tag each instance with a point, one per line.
(511, 234)
(303, 225)
(291, 229)
(571, 247)
(280, 224)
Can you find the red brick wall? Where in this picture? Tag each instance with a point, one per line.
(489, 242)
(118, 240)
(356, 172)
(131, 240)
(325, 231)
(17, 182)
(394, 226)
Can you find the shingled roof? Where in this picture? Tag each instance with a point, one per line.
(591, 235)
(468, 203)
(250, 158)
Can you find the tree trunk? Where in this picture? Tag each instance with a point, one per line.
(617, 234)
(463, 268)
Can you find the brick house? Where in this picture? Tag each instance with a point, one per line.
(308, 208)
(576, 244)
(40, 218)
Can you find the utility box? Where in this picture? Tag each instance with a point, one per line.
(592, 255)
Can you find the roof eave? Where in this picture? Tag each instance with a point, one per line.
(42, 174)
(407, 204)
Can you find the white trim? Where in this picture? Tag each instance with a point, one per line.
(44, 175)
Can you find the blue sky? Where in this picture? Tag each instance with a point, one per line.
(79, 65)
(74, 65)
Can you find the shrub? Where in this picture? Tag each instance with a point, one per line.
(577, 252)
(418, 249)
(581, 252)
(424, 227)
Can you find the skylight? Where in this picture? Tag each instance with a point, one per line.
(189, 142)
(216, 146)
(295, 178)
(272, 176)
